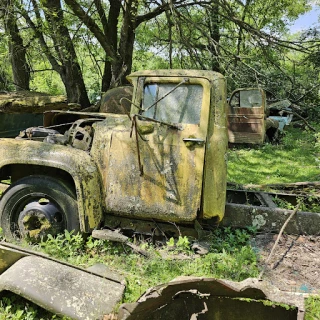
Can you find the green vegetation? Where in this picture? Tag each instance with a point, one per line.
(313, 308)
(296, 158)
(13, 307)
(225, 36)
(235, 261)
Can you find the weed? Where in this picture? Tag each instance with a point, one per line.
(180, 245)
(231, 256)
(13, 307)
(64, 245)
(230, 240)
(283, 204)
(309, 204)
(312, 305)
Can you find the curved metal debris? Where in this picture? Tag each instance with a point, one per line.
(58, 287)
(206, 298)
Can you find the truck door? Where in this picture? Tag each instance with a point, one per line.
(246, 116)
(162, 163)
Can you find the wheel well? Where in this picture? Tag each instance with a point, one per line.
(18, 171)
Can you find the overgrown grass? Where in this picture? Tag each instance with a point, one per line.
(296, 158)
(13, 307)
(236, 260)
(230, 257)
(312, 308)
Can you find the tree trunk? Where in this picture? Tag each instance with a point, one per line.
(120, 59)
(70, 72)
(17, 51)
(121, 66)
(214, 37)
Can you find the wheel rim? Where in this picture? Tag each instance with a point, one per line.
(35, 216)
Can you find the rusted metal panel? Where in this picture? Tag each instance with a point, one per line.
(170, 186)
(58, 287)
(157, 173)
(157, 169)
(8, 256)
(206, 298)
(76, 162)
(246, 116)
(215, 169)
(117, 100)
(175, 73)
(270, 219)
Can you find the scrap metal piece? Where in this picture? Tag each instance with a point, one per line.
(58, 287)
(118, 237)
(192, 298)
(270, 219)
(266, 199)
(258, 209)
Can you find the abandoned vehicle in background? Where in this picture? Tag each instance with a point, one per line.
(249, 119)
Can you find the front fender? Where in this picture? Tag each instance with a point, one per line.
(76, 162)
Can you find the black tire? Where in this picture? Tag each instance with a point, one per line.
(34, 196)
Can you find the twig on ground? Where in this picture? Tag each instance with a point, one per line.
(277, 241)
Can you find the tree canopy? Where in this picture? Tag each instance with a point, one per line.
(84, 47)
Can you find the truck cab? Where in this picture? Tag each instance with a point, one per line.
(164, 161)
(247, 114)
(255, 116)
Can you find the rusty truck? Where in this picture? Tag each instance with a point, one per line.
(160, 169)
(163, 163)
(249, 117)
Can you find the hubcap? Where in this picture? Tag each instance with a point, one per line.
(40, 218)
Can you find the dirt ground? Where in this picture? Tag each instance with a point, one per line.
(295, 263)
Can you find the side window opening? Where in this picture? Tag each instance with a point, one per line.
(182, 105)
(246, 99)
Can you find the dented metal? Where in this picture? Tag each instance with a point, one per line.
(193, 298)
(163, 162)
(169, 165)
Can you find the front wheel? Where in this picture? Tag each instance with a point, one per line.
(36, 206)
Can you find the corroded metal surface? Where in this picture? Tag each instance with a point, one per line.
(8, 256)
(76, 162)
(270, 219)
(159, 170)
(215, 170)
(258, 209)
(175, 73)
(247, 116)
(58, 287)
(11, 124)
(112, 101)
(205, 298)
(170, 165)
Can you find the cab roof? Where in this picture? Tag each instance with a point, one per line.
(207, 74)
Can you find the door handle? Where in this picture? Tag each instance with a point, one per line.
(194, 140)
